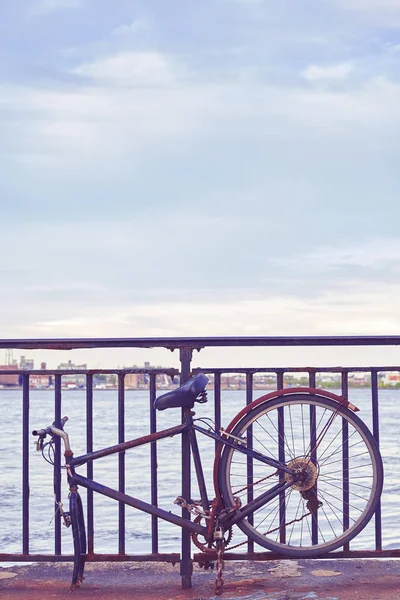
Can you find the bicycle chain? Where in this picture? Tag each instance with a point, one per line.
(219, 580)
(246, 487)
(313, 508)
(272, 530)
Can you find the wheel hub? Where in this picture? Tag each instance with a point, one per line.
(305, 473)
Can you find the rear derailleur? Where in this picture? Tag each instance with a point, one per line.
(313, 504)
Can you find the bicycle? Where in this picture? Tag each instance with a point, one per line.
(281, 468)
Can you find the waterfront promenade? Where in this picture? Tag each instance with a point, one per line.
(353, 579)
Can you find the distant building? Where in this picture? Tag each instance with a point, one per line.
(26, 364)
(75, 379)
(6, 380)
(40, 381)
(131, 381)
(71, 367)
(391, 378)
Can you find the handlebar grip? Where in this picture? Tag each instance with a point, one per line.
(41, 432)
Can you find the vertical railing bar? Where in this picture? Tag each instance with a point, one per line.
(153, 464)
(25, 463)
(217, 403)
(57, 466)
(375, 431)
(281, 457)
(186, 561)
(89, 466)
(313, 442)
(121, 462)
(345, 463)
(250, 469)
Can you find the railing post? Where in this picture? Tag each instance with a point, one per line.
(250, 466)
(121, 461)
(313, 441)
(25, 463)
(282, 458)
(153, 464)
(375, 431)
(345, 462)
(57, 467)
(185, 356)
(89, 466)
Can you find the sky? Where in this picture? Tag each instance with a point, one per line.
(183, 168)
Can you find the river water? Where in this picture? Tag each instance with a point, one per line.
(138, 525)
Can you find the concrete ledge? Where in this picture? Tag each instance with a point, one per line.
(351, 579)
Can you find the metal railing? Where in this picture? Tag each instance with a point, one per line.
(185, 347)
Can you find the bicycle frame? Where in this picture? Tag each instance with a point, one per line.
(214, 519)
(190, 427)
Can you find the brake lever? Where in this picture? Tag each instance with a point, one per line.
(39, 443)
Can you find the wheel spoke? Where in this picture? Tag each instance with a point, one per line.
(280, 436)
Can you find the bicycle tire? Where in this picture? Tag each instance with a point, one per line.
(305, 417)
(78, 536)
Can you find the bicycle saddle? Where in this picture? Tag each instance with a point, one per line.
(183, 396)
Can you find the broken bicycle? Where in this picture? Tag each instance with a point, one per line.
(296, 470)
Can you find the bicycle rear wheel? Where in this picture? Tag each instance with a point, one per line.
(338, 465)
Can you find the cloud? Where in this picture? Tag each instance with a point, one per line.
(135, 288)
(375, 253)
(155, 188)
(65, 286)
(354, 310)
(385, 13)
(137, 27)
(131, 68)
(98, 118)
(367, 5)
(315, 73)
(244, 1)
(189, 145)
(373, 263)
(43, 7)
(372, 253)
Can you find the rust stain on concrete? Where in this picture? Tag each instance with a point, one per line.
(286, 568)
(325, 573)
(7, 575)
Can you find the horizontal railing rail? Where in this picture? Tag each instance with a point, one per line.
(185, 345)
(200, 342)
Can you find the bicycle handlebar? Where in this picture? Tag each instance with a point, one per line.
(48, 430)
(52, 430)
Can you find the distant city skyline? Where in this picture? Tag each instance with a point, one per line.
(74, 377)
(224, 167)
